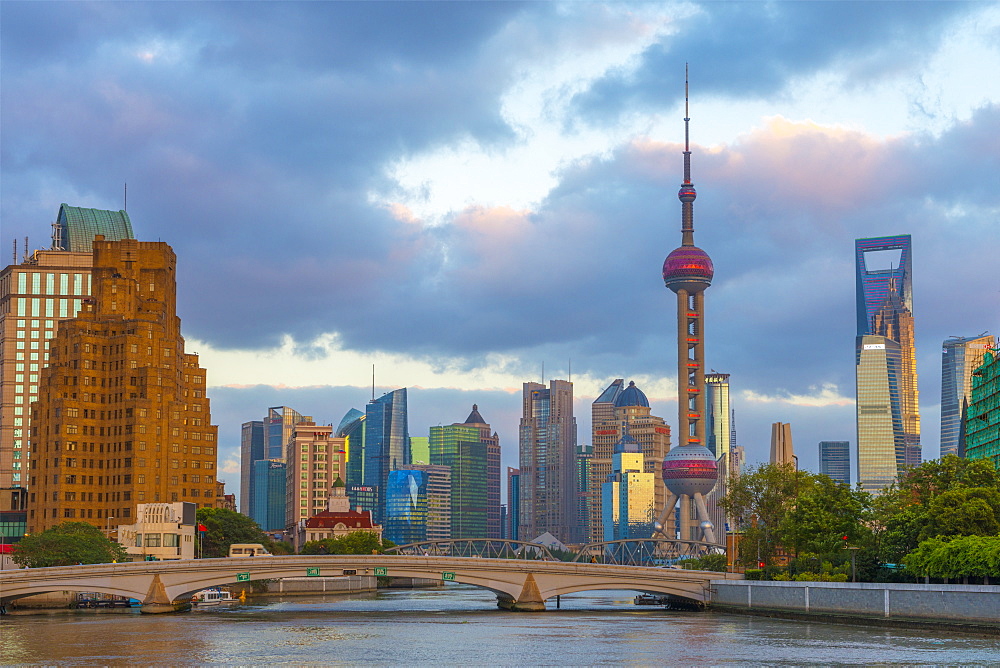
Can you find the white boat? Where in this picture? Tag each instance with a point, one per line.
(213, 596)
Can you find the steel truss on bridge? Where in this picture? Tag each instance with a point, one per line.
(646, 552)
(476, 547)
(654, 552)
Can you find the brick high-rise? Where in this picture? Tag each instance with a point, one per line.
(121, 417)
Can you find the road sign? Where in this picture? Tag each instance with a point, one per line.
(312, 572)
(381, 570)
(447, 575)
(243, 577)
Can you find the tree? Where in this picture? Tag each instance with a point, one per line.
(67, 544)
(824, 512)
(356, 542)
(967, 556)
(759, 499)
(709, 562)
(226, 527)
(947, 497)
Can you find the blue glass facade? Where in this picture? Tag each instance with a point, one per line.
(251, 449)
(406, 507)
(269, 482)
(386, 443)
(352, 427)
(835, 460)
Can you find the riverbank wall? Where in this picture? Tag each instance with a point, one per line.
(310, 586)
(974, 606)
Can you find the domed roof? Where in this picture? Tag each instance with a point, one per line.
(689, 268)
(626, 443)
(631, 396)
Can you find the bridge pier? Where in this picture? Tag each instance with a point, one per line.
(157, 601)
(530, 599)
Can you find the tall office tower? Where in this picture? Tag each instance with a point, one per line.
(278, 427)
(268, 482)
(584, 456)
(387, 443)
(438, 500)
(959, 358)
(835, 460)
(352, 428)
(313, 463)
(491, 440)
(719, 429)
(782, 450)
(513, 503)
(616, 406)
(547, 448)
(982, 425)
(121, 417)
(266, 440)
(458, 446)
(35, 294)
(689, 470)
(888, 413)
(251, 450)
(627, 498)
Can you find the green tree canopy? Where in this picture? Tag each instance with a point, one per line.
(226, 527)
(67, 544)
(356, 542)
(947, 497)
(759, 500)
(975, 556)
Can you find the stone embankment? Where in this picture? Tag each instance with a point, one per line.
(976, 607)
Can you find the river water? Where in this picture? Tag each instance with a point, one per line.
(461, 626)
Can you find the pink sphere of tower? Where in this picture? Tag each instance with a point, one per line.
(688, 268)
(690, 470)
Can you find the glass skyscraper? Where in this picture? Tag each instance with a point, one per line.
(251, 450)
(267, 481)
(982, 426)
(719, 433)
(352, 428)
(835, 460)
(386, 443)
(960, 357)
(548, 463)
(888, 416)
(458, 447)
(628, 494)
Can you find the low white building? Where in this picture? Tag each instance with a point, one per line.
(162, 530)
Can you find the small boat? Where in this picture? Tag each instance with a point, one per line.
(650, 599)
(213, 596)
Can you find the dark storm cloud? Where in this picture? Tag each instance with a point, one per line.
(751, 49)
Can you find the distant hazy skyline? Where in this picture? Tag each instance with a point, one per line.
(461, 192)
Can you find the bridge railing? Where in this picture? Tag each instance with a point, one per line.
(662, 552)
(483, 548)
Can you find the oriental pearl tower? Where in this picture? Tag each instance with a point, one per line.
(689, 470)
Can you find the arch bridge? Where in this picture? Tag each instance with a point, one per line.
(520, 584)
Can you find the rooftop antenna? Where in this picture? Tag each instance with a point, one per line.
(373, 382)
(15, 252)
(25, 258)
(570, 372)
(126, 196)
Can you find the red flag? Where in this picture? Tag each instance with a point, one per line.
(202, 527)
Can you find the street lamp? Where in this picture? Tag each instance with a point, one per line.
(107, 526)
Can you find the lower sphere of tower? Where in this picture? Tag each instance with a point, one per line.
(690, 470)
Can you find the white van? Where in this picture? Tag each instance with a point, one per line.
(247, 550)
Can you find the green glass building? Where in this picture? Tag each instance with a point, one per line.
(982, 424)
(460, 448)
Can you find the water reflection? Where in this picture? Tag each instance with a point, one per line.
(462, 626)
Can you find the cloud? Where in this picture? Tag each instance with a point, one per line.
(827, 395)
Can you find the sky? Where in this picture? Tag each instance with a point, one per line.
(472, 195)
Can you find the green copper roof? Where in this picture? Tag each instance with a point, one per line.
(76, 227)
